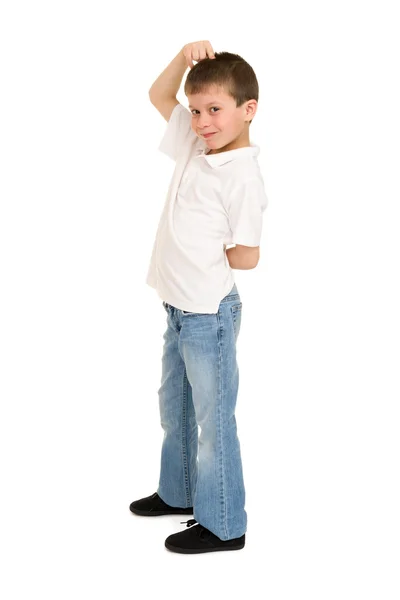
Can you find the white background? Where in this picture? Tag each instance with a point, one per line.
(82, 189)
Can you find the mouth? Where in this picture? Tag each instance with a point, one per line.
(207, 135)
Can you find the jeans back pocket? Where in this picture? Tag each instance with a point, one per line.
(236, 312)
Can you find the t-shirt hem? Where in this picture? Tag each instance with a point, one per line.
(197, 308)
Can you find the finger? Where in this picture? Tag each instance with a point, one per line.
(189, 61)
(210, 51)
(203, 51)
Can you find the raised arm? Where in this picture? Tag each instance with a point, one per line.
(163, 91)
(165, 88)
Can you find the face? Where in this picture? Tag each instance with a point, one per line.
(216, 112)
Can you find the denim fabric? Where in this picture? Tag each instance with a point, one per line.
(199, 387)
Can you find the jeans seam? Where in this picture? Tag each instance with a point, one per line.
(220, 433)
(184, 438)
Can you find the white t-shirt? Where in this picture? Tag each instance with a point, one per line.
(212, 200)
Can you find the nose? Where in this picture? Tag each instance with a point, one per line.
(203, 122)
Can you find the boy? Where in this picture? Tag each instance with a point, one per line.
(216, 197)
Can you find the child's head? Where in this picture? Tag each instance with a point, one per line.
(223, 97)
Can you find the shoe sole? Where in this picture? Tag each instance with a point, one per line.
(202, 551)
(159, 513)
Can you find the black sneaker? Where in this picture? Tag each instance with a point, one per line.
(154, 506)
(199, 539)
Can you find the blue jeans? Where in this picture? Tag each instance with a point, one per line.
(199, 387)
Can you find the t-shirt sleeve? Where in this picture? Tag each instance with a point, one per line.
(246, 203)
(179, 132)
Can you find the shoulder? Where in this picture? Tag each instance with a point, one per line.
(178, 135)
(242, 172)
(245, 185)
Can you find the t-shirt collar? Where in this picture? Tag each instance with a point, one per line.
(216, 160)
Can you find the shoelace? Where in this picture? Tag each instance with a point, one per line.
(202, 531)
(190, 522)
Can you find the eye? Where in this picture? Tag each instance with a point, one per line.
(194, 109)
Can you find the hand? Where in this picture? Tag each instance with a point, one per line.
(197, 51)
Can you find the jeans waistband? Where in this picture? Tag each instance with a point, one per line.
(233, 294)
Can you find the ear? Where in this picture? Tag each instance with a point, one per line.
(251, 109)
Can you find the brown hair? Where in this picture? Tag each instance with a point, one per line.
(226, 70)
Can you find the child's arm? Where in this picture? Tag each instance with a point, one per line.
(163, 91)
(245, 201)
(165, 88)
(243, 257)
